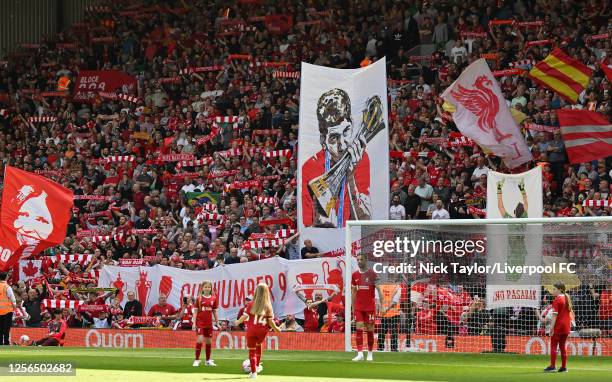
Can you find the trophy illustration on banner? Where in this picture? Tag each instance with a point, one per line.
(324, 189)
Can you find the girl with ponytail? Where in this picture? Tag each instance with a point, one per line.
(562, 316)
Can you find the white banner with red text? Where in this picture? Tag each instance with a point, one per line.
(231, 283)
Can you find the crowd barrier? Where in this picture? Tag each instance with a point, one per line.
(136, 339)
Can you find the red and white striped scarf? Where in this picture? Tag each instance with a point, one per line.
(596, 203)
(285, 74)
(44, 119)
(120, 159)
(266, 243)
(61, 304)
(278, 153)
(266, 200)
(195, 162)
(285, 233)
(74, 258)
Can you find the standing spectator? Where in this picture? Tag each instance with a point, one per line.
(557, 158)
(440, 212)
(7, 306)
(397, 211)
(308, 251)
(413, 203)
(32, 306)
(480, 169)
(425, 192)
(132, 307)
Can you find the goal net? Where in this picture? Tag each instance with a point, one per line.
(482, 285)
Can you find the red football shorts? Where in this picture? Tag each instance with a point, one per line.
(206, 332)
(365, 316)
(256, 336)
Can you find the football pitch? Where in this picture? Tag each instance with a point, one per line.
(152, 365)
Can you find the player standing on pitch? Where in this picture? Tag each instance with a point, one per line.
(259, 318)
(365, 305)
(562, 312)
(205, 312)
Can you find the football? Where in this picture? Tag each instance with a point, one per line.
(24, 339)
(246, 366)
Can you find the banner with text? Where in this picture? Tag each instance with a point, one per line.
(232, 283)
(91, 82)
(513, 246)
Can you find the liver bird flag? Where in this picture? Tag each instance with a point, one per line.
(483, 115)
(34, 217)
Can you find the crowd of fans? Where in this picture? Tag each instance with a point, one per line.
(238, 196)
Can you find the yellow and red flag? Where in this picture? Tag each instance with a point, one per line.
(562, 74)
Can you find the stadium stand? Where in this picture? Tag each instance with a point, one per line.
(198, 157)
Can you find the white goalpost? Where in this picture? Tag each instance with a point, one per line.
(481, 285)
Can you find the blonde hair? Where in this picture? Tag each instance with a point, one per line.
(568, 301)
(261, 300)
(205, 282)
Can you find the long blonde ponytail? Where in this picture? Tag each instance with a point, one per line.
(261, 301)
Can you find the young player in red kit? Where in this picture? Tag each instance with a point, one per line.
(364, 305)
(562, 317)
(57, 331)
(205, 312)
(259, 318)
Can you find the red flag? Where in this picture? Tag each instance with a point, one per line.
(587, 135)
(607, 69)
(34, 217)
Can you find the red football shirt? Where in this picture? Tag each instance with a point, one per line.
(205, 306)
(57, 328)
(562, 324)
(257, 322)
(314, 167)
(158, 310)
(366, 287)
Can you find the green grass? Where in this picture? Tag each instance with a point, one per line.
(152, 365)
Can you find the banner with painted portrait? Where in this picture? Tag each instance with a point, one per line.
(343, 151)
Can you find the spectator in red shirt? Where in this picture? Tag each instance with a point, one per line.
(163, 310)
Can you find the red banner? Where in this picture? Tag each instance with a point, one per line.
(91, 82)
(35, 214)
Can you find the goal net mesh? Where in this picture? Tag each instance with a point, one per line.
(484, 287)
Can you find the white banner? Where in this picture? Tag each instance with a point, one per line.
(483, 115)
(232, 283)
(514, 245)
(343, 151)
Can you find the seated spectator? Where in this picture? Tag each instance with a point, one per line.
(290, 325)
(103, 321)
(132, 307)
(163, 310)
